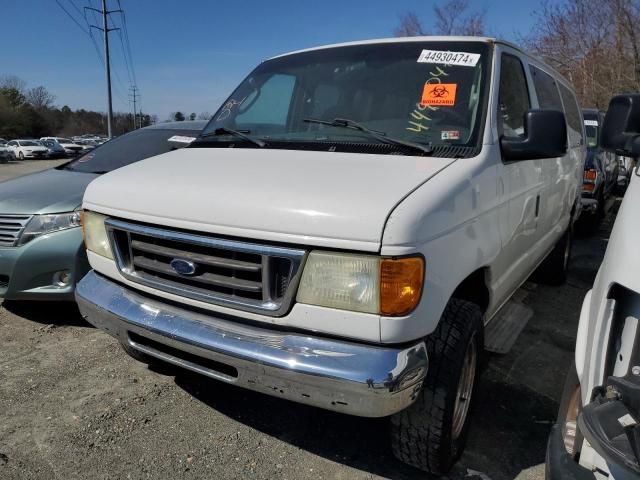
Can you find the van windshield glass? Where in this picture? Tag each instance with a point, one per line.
(419, 92)
(126, 149)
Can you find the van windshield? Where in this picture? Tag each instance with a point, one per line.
(430, 93)
(592, 135)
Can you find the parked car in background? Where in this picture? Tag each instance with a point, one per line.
(55, 150)
(600, 171)
(334, 236)
(6, 154)
(41, 251)
(626, 166)
(23, 149)
(70, 147)
(87, 145)
(597, 433)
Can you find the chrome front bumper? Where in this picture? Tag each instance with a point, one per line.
(348, 377)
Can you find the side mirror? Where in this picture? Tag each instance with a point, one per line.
(545, 136)
(621, 126)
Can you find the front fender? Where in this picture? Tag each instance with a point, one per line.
(453, 221)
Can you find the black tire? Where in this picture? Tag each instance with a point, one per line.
(555, 268)
(20, 156)
(423, 434)
(138, 355)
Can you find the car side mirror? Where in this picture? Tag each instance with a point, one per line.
(545, 136)
(621, 126)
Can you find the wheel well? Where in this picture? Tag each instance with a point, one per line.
(474, 289)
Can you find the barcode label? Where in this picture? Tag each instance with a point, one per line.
(463, 59)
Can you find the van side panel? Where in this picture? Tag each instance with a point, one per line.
(453, 221)
(482, 213)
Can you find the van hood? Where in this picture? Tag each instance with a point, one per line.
(50, 191)
(331, 199)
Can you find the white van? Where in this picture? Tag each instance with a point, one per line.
(598, 432)
(344, 228)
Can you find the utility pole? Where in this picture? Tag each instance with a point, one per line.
(134, 97)
(107, 61)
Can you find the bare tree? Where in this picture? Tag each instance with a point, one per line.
(451, 18)
(13, 82)
(600, 57)
(204, 116)
(409, 26)
(40, 98)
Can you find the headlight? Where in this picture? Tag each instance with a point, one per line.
(95, 234)
(362, 283)
(43, 224)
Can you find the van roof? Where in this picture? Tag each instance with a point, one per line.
(450, 38)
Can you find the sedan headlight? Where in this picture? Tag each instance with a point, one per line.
(43, 224)
(95, 234)
(362, 283)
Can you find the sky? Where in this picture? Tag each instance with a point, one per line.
(188, 55)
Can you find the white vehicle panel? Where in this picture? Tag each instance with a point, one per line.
(311, 198)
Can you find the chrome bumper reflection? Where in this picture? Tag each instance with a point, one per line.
(353, 378)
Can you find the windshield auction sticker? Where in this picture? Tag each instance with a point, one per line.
(181, 139)
(463, 59)
(439, 94)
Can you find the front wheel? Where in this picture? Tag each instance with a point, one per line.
(20, 155)
(431, 433)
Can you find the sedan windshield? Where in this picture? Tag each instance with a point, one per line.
(29, 143)
(427, 93)
(127, 149)
(64, 140)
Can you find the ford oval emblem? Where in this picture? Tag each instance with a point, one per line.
(183, 267)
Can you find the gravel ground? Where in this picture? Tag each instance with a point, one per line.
(74, 405)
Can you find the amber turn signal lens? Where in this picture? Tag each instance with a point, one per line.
(400, 285)
(590, 174)
(588, 187)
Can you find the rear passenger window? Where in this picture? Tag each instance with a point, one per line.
(546, 89)
(573, 116)
(514, 97)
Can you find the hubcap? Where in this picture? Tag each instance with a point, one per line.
(465, 388)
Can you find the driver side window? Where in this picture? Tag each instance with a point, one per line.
(513, 100)
(271, 107)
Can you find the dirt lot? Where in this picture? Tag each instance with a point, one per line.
(74, 405)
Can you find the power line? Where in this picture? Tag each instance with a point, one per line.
(119, 89)
(72, 17)
(107, 60)
(128, 43)
(105, 28)
(124, 55)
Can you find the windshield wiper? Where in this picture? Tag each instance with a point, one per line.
(382, 136)
(235, 133)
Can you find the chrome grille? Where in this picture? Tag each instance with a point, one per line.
(237, 274)
(11, 226)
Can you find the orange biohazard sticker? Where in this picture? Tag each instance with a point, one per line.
(439, 94)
